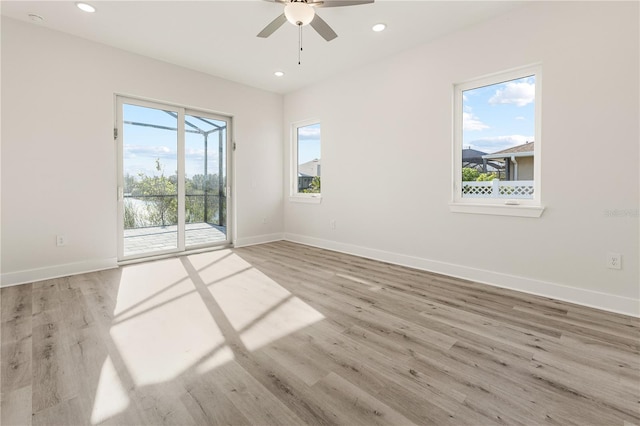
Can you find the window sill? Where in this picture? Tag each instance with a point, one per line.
(308, 200)
(497, 210)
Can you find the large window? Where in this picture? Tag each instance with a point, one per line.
(497, 144)
(306, 159)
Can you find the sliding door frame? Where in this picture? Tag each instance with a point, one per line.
(181, 112)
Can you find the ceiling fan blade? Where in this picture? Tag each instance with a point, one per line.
(274, 25)
(338, 3)
(323, 28)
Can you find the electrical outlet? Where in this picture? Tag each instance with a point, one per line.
(614, 261)
(61, 240)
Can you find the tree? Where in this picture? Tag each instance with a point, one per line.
(158, 201)
(129, 183)
(200, 190)
(131, 219)
(314, 186)
(161, 196)
(469, 174)
(483, 177)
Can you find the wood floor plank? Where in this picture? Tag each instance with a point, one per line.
(16, 365)
(581, 324)
(15, 302)
(353, 309)
(207, 403)
(16, 312)
(287, 353)
(160, 404)
(579, 379)
(15, 407)
(290, 334)
(52, 368)
(67, 412)
(354, 406)
(250, 398)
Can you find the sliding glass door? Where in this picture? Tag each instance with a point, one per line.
(172, 180)
(205, 179)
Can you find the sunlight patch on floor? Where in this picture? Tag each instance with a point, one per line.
(191, 315)
(257, 307)
(286, 318)
(215, 360)
(165, 327)
(111, 397)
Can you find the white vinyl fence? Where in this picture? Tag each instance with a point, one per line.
(514, 189)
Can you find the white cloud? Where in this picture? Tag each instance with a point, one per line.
(471, 122)
(309, 133)
(519, 94)
(520, 118)
(195, 153)
(498, 143)
(147, 151)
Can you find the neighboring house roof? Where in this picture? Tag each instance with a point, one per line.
(470, 155)
(525, 147)
(524, 150)
(310, 168)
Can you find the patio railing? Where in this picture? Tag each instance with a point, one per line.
(512, 189)
(143, 211)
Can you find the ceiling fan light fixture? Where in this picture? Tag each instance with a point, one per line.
(299, 13)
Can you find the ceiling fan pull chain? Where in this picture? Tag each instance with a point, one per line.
(299, 43)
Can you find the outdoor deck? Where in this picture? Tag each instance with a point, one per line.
(158, 238)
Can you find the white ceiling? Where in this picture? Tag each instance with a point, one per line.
(219, 37)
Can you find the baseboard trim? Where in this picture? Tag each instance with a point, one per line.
(56, 271)
(258, 239)
(593, 299)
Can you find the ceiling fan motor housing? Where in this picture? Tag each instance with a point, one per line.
(299, 13)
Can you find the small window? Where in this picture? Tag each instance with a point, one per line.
(497, 141)
(307, 163)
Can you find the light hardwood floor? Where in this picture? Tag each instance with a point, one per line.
(287, 334)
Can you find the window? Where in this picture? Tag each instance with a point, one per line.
(306, 161)
(497, 144)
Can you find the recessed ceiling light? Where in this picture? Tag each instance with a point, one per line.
(379, 27)
(86, 7)
(278, 74)
(35, 18)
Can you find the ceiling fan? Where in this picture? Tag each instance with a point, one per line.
(302, 12)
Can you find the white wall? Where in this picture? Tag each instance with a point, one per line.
(386, 156)
(59, 157)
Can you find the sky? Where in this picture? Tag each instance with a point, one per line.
(499, 116)
(143, 145)
(308, 143)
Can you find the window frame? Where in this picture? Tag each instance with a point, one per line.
(504, 207)
(294, 195)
